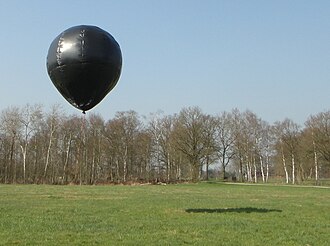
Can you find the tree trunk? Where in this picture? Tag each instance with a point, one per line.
(262, 169)
(35, 169)
(207, 168)
(316, 164)
(15, 171)
(178, 171)
(223, 171)
(316, 169)
(195, 172)
(223, 165)
(241, 169)
(255, 173)
(293, 168)
(168, 167)
(249, 171)
(78, 174)
(11, 171)
(255, 170)
(92, 180)
(267, 168)
(125, 165)
(65, 174)
(195, 169)
(24, 160)
(48, 153)
(285, 169)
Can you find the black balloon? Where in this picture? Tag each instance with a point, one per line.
(84, 63)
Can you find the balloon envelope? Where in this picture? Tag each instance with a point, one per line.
(84, 63)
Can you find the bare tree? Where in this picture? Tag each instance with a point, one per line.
(288, 135)
(190, 138)
(11, 127)
(165, 154)
(68, 135)
(252, 140)
(319, 127)
(55, 148)
(225, 140)
(159, 159)
(266, 145)
(239, 129)
(94, 144)
(30, 119)
(209, 139)
(52, 125)
(143, 148)
(121, 133)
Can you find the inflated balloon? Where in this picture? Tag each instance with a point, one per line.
(84, 63)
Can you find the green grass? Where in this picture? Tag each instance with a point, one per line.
(192, 214)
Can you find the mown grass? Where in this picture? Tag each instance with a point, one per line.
(194, 214)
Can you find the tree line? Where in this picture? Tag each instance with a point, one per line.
(54, 148)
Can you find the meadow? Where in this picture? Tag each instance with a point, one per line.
(193, 214)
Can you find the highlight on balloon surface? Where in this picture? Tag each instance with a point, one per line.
(84, 63)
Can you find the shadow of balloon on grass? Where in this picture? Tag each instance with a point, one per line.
(231, 210)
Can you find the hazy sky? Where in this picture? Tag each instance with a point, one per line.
(271, 57)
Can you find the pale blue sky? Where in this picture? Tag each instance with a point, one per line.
(271, 57)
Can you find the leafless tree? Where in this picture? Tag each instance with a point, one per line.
(11, 127)
(190, 138)
(319, 128)
(209, 139)
(288, 137)
(163, 151)
(121, 134)
(54, 148)
(31, 117)
(225, 140)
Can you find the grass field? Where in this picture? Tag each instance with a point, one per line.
(193, 214)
